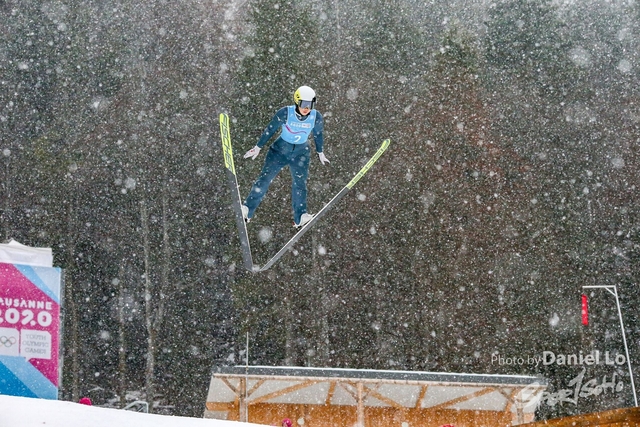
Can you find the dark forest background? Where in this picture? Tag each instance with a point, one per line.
(511, 182)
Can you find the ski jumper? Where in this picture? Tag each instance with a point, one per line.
(292, 149)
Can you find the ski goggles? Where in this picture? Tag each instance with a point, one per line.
(306, 104)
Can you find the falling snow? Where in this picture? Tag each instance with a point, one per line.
(510, 184)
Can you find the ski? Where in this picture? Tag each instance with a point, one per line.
(325, 209)
(235, 192)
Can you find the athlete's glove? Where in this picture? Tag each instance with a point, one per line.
(253, 153)
(323, 158)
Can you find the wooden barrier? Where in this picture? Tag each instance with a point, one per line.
(338, 416)
(326, 397)
(625, 417)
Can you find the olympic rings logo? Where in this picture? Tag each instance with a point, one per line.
(7, 341)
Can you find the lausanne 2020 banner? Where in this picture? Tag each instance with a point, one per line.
(29, 330)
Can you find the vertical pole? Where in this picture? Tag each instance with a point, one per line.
(624, 336)
(246, 359)
(7, 187)
(246, 382)
(626, 349)
(360, 422)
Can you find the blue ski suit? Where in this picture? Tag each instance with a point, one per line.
(292, 149)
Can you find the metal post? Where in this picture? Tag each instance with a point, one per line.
(614, 292)
(246, 382)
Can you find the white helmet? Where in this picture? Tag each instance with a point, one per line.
(305, 97)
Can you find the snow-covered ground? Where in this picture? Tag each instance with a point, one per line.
(27, 412)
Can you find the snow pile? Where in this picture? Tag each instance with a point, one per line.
(28, 412)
